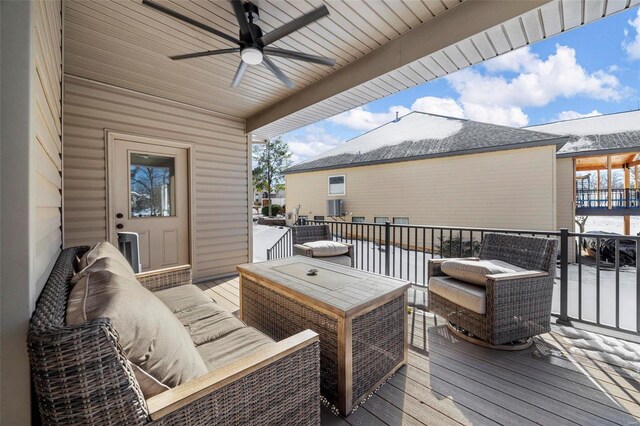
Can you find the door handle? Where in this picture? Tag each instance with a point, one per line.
(119, 215)
(119, 226)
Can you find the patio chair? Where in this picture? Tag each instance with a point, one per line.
(316, 241)
(508, 308)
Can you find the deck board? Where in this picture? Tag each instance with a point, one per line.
(451, 382)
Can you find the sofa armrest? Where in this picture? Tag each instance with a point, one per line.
(249, 384)
(302, 250)
(165, 278)
(433, 265)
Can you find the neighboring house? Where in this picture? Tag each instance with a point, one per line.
(597, 146)
(429, 169)
(262, 197)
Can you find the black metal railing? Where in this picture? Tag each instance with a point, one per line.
(602, 289)
(282, 248)
(599, 198)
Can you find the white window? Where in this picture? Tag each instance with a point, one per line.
(357, 219)
(336, 185)
(380, 219)
(401, 220)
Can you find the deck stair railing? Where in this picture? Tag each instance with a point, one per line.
(281, 248)
(602, 290)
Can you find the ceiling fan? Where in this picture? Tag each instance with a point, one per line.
(253, 46)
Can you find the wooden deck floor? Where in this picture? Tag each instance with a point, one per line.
(452, 382)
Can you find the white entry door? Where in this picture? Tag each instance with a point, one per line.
(150, 196)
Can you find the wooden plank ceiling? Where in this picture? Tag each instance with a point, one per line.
(123, 43)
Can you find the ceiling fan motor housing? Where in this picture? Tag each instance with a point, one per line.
(252, 11)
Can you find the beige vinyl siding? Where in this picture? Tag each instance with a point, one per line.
(221, 192)
(504, 189)
(47, 125)
(565, 198)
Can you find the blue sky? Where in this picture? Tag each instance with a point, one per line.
(592, 70)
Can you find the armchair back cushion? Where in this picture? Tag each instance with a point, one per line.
(153, 339)
(327, 248)
(476, 271)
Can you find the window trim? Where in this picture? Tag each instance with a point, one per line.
(380, 217)
(344, 188)
(393, 221)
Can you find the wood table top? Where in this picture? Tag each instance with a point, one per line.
(340, 289)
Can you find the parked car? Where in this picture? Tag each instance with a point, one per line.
(607, 248)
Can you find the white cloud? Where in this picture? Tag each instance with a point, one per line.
(313, 141)
(571, 115)
(539, 83)
(631, 45)
(493, 97)
(442, 106)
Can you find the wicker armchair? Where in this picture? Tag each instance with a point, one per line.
(518, 305)
(81, 375)
(307, 233)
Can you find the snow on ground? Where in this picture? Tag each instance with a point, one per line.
(265, 237)
(412, 127)
(611, 224)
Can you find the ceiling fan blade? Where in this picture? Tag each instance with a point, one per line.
(294, 25)
(242, 68)
(205, 53)
(243, 22)
(290, 54)
(277, 72)
(173, 13)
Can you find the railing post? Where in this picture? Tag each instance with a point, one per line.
(387, 251)
(564, 278)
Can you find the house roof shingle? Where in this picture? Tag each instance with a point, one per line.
(420, 135)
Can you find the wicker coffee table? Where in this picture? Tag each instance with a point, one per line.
(361, 319)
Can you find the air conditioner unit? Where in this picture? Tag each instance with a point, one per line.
(128, 244)
(334, 208)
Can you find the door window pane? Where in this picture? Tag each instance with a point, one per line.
(152, 186)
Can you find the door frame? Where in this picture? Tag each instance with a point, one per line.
(110, 138)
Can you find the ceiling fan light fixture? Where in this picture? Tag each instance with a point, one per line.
(251, 55)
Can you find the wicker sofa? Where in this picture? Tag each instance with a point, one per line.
(303, 234)
(81, 374)
(516, 305)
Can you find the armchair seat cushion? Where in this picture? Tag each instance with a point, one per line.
(340, 260)
(182, 297)
(469, 296)
(233, 346)
(476, 271)
(327, 248)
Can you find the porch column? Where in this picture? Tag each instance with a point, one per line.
(627, 184)
(609, 191)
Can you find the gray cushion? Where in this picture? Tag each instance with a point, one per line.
(469, 296)
(233, 346)
(205, 320)
(327, 248)
(476, 271)
(101, 250)
(340, 260)
(183, 297)
(151, 336)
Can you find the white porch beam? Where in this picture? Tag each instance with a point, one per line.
(463, 21)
